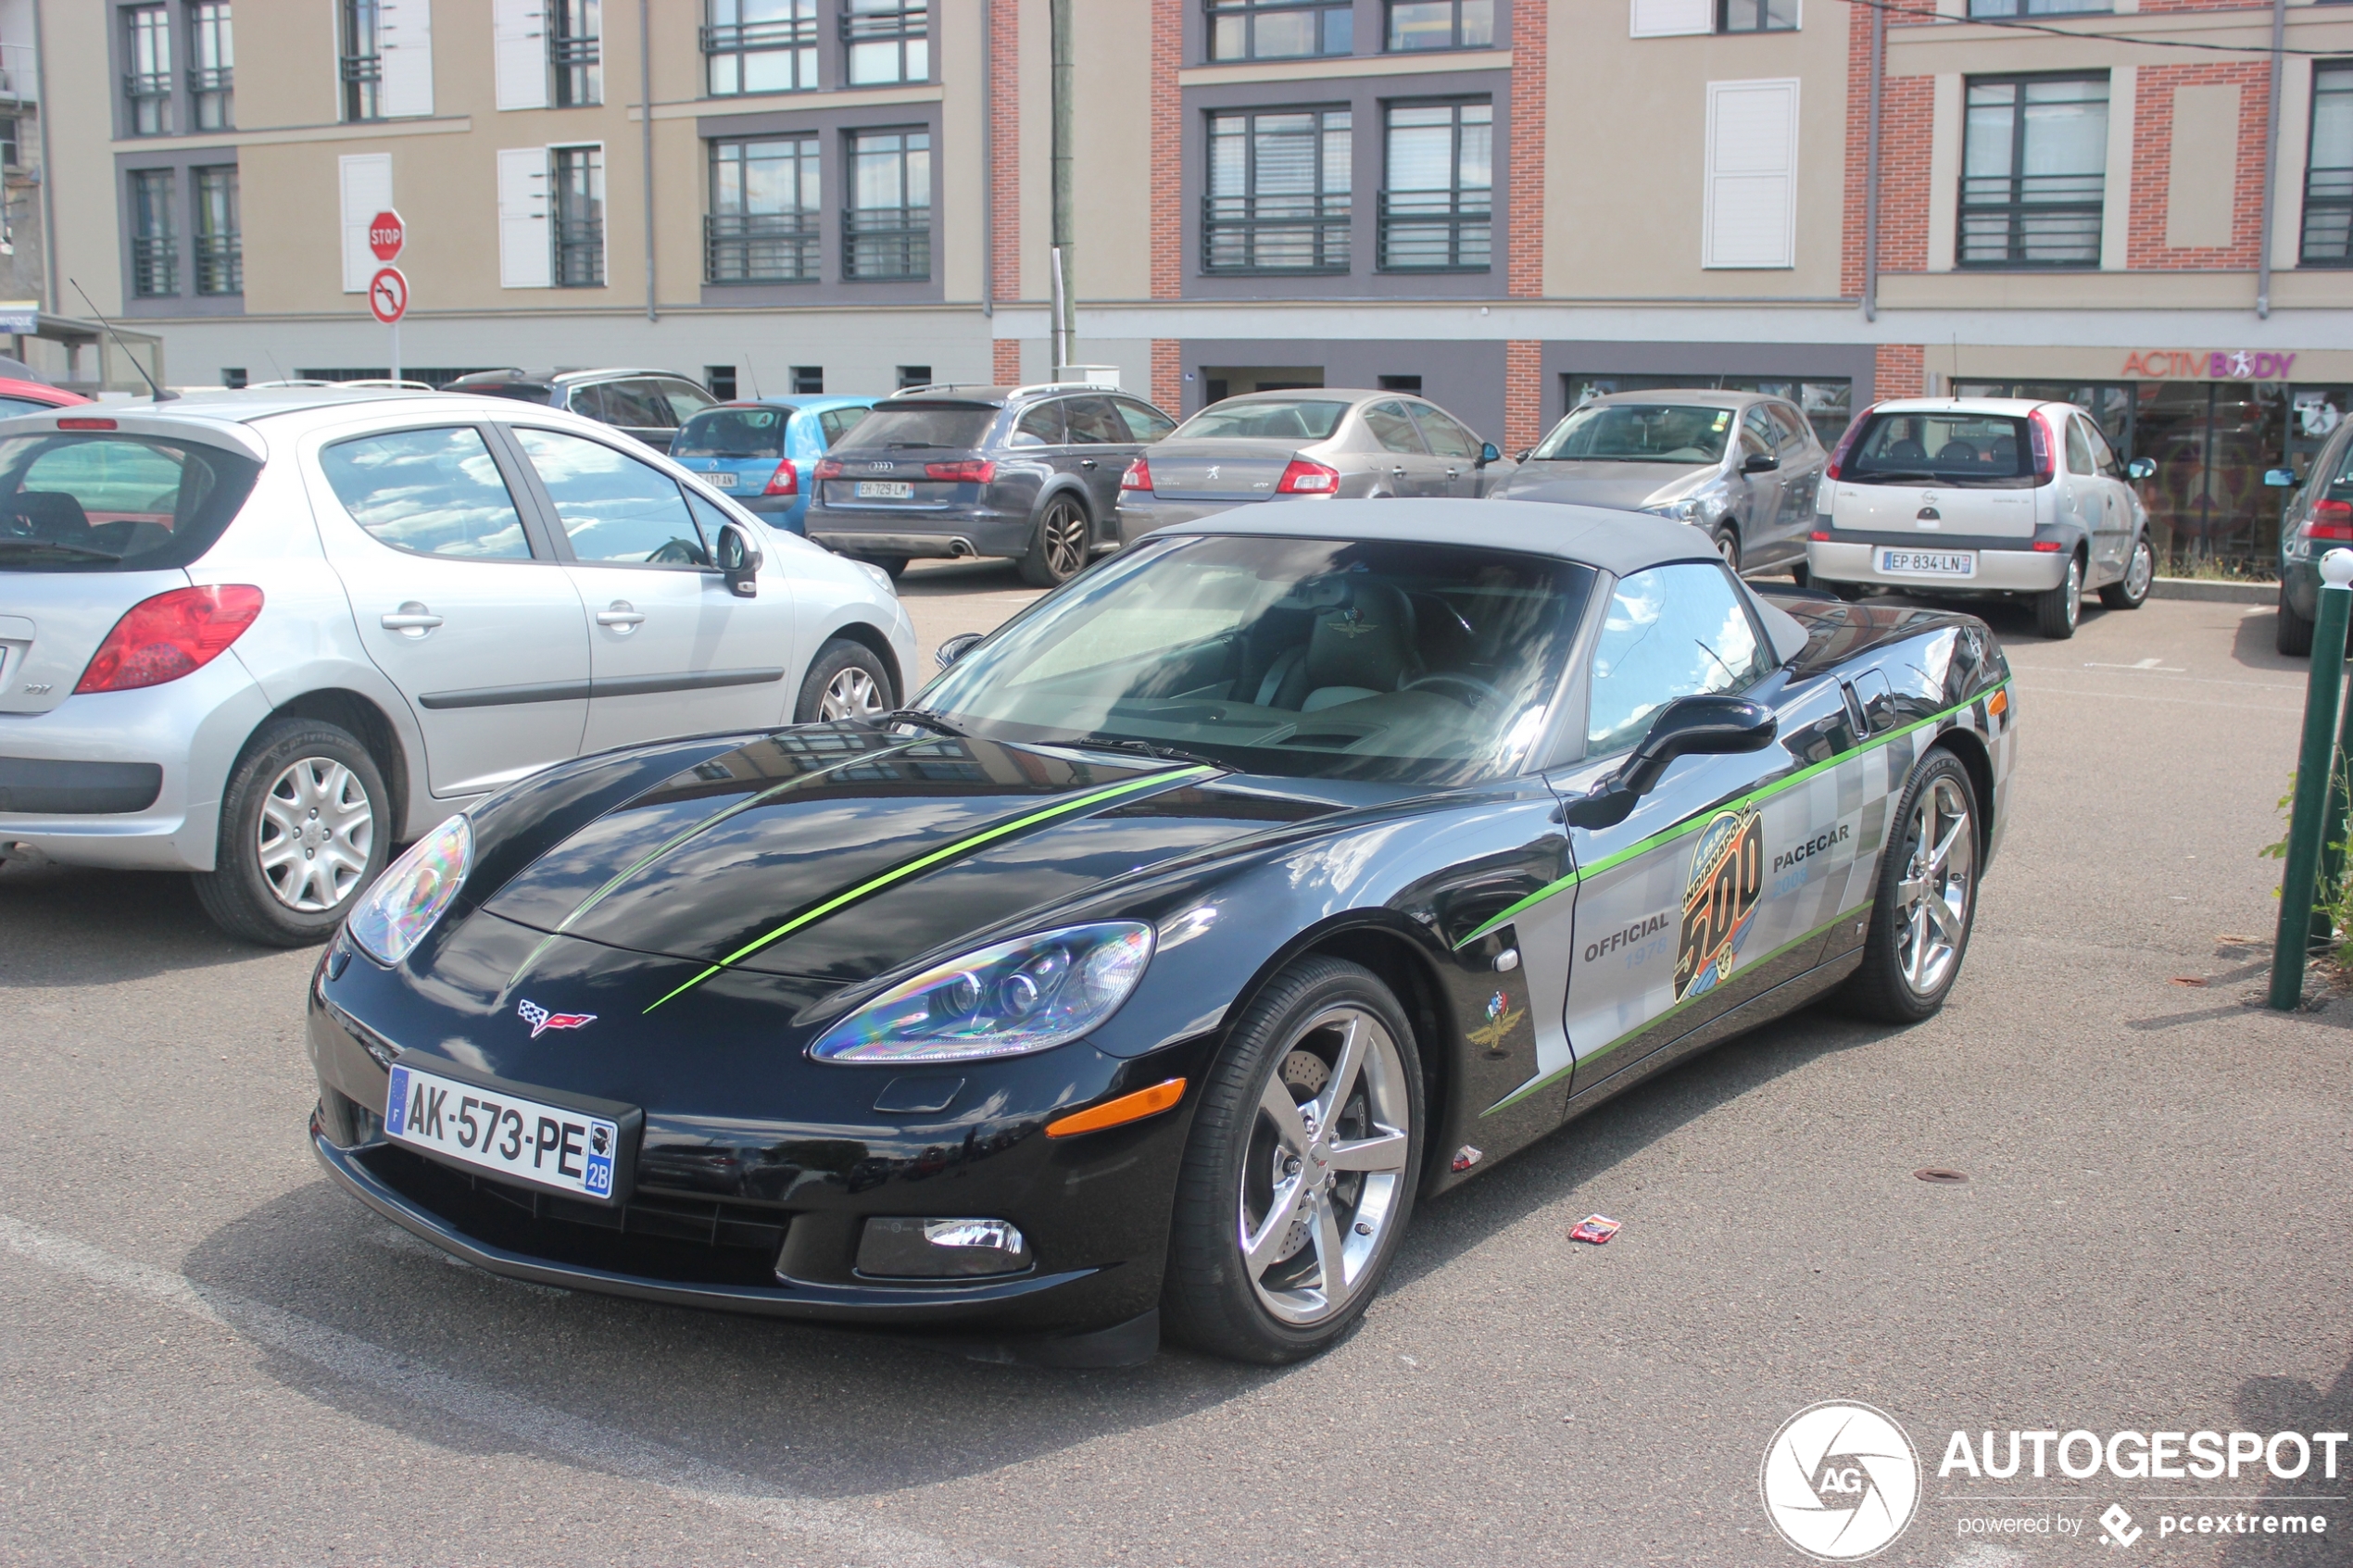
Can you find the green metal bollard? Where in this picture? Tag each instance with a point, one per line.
(2315, 764)
(2333, 819)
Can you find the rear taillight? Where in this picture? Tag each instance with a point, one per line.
(1820, 536)
(2046, 443)
(1846, 442)
(2330, 520)
(786, 480)
(963, 470)
(829, 468)
(85, 424)
(171, 635)
(1305, 478)
(1138, 476)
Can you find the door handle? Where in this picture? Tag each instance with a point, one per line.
(1086, 462)
(411, 620)
(621, 615)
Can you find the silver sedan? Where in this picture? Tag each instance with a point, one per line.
(1304, 445)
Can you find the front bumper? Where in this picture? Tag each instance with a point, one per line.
(1999, 570)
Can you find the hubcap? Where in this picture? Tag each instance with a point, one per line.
(1066, 539)
(2141, 570)
(2074, 593)
(1730, 548)
(1326, 1165)
(316, 831)
(1931, 902)
(852, 693)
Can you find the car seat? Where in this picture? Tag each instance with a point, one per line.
(1360, 643)
(1954, 453)
(1907, 451)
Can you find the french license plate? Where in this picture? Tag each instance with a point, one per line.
(885, 490)
(1929, 563)
(501, 1134)
(722, 478)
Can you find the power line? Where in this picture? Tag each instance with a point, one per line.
(1894, 9)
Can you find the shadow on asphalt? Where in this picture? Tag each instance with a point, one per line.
(982, 574)
(69, 925)
(2256, 644)
(2267, 1405)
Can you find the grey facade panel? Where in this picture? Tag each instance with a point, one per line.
(1465, 379)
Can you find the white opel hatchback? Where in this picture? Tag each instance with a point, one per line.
(265, 636)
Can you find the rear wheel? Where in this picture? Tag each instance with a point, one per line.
(2058, 610)
(1058, 549)
(1925, 899)
(2131, 591)
(1850, 592)
(304, 829)
(2293, 633)
(845, 680)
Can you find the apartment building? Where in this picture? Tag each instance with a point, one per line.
(1509, 205)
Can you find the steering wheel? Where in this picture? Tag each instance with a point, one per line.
(1468, 690)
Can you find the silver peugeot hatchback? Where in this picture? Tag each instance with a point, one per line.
(265, 636)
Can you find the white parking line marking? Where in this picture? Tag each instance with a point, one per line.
(2018, 668)
(2142, 664)
(2176, 701)
(839, 1526)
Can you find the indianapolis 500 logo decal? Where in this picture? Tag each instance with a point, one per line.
(1720, 900)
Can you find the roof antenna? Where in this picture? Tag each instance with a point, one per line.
(1953, 388)
(162, 396)
(274, 365)
(752, 371)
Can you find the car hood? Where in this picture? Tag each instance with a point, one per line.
(1626, 486)
(837, 853)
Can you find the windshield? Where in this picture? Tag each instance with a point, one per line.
(948, 426)
(1426, 664)
(732, 433)
(1639, 432)
(1272, 419)
(1989, 451)
(114, 502)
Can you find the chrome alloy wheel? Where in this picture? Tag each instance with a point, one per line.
(851, 694)
(1066, 538)
(2141, 570)
(1326, 1165)
(1932, 899)
(317, 829)
(2074, 590)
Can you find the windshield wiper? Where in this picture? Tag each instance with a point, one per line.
(926, 445)
(80, 552)
(923, 719)
(1166, 753)
(1909, 476)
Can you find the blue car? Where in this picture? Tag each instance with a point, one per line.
(761, 452)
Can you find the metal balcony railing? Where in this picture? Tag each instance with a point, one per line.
(743, 37)
(1437, 230)
(760, 247)
(1305, 233)
(363, 67)
(148, 93)
(220, 264)
(566, 53)
(886, 243)
(155, 267)
(580, 252)
(2032, 220)
(2328, 218)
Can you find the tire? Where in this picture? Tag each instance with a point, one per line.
(894, 565)
(1726, 540)
(2131, 591)
(1799, 574)
(1913, 954)
(301, 784)
(2291, 635)
(847, 680)
(1243, 1167)
(1850, 592)
(2058, 610)
(1058, 546)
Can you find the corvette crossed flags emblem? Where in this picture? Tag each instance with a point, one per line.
(541, 1020)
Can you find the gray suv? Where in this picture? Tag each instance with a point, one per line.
(1029, 474)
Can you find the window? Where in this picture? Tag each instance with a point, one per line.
(577, 179)
(1828, 402)
(1041, 424)
(886, 232)
(1144, 422)
(212, 62)
(2078, 451)
(1281, 30)
(233, 377)
(11, 154)
(429, 492)
(1441, 24)
(147, 503)
(2033, 170)
(1749, 203)
(886, 41)
(613, 507)
(147, 84)
(2328, 168)
(575, 52)
(1978, 8)
(834, 423)
(720, 379)
(1436, 211)
(763, 227)
(1095, 421)
(386, 47)
(762, 46)
(221, 262)
(155, 239)
(1278, 193)
(919, 375)
(1393, 428)
(1673, 631)
(1446, 436)
(809, 381)
(1755, 16)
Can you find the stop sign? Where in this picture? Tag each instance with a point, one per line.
(385, 235)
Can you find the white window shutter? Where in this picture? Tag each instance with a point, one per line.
(524, 259)
(1666, 19)
(405, 26)
(367, 190)
(1751, 199)
(519, 34)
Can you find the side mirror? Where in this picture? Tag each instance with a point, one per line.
(1489, 453)
(2140, 468)
(1710, 725)
(1761, 463)
(956, 648)
(739, 559)
(2280, 479)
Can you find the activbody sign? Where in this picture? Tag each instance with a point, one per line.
(2237, 364)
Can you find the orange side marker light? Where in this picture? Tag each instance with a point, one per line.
(1998, 704)
(1118, 1112)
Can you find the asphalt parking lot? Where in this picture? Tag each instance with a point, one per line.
(211, 1356)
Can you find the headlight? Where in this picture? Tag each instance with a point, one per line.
(1692, 509)
(881, 578)
(410, 897)
(1010, 999)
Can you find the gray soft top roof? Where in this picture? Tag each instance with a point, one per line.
(1615, 541)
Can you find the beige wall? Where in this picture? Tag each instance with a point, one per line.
(1110, 177)
(81, 168)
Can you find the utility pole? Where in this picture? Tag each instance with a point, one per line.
(1065, 312)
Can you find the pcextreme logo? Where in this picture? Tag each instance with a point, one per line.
(1840, 1481)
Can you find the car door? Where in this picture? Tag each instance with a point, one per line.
(1802, 461)
(2078, 491)
(672, 650)
(1101, 448)
(2108, 505)
(1760, 517)
(1454, 450)
(1402, 465)
(459, 598)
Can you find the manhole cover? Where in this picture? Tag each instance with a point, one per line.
(1944, 1177)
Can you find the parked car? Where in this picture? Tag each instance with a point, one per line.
(1741, 467)
(2318, 518)
(427, 599)
(649, 404)
(31, 396)
(1027, 473)
(763, 453)
(1301, 864)
(1984, 495)
(1305, 446)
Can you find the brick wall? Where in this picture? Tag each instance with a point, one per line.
(1907, 131)
(1523, 392)
(1524, 267)
(1005, 361)
(1004, 134)
(1168, 150)
(1169, 375)
(1899, 370)
(2152, 159)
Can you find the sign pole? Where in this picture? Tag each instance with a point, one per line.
(394, 330)
(386, 234)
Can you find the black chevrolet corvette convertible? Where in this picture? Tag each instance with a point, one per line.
(1294, 866)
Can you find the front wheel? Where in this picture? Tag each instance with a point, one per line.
(1299, 1174)
(1925, 899)
(1059, 547)
(305, 827)
(2059, 609)
(1727, 541)
(845, 680)
(2293, 635)
(2131, 591)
